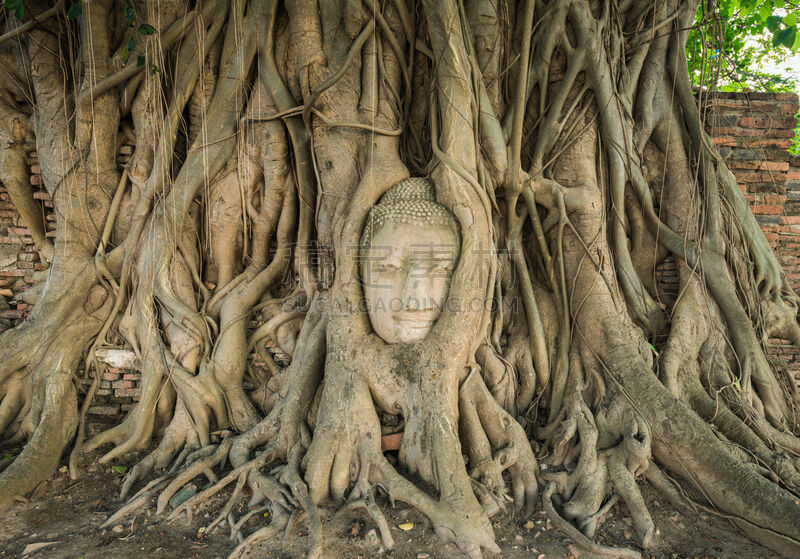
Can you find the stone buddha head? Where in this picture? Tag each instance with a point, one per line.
(409, 248)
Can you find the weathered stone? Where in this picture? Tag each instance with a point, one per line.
(122, 358)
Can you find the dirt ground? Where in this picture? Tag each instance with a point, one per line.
(69, 513)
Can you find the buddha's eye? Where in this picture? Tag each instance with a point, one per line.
(384, 268)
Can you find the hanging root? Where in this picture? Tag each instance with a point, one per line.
(579, 538)
(494, 443)
(599, 476)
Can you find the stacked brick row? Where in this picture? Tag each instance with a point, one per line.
(18, 257)
(119, 389)
(754, 132)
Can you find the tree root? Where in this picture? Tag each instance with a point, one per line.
(581, 540)
(586, 487)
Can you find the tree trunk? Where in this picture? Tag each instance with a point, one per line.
(269, 136)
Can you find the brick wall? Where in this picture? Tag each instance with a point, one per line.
(753, 132)
(18, 258)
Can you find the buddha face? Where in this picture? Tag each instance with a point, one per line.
(406, 272)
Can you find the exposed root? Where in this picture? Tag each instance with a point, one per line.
(576, 535)
(586, 488)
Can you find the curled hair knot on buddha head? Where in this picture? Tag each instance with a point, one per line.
(411, 201)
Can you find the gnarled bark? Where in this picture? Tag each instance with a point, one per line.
(264, 132)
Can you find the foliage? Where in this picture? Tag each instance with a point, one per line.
(733, 40)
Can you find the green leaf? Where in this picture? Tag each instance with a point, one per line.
(140, 60)
(15, 5)
(154, 70)
(774, 22)
(124, 54)
(120, 469)
(131, 44)
(791, 39)
(652, 348)
(764, 11)
(782, 37)
(147, 29)
(6, 456)
(75, 10)
(130, 13)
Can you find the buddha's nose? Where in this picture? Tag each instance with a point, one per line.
(415, 294)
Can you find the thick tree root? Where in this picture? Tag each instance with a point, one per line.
(580, 539)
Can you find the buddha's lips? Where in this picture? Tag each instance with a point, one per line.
(408, 319)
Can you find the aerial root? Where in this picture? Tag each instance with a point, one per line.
(226, 511)
(200, 466)
(280, 521)
(240, 474)
(161, 455)
(366, 501)
(599, 478)
(495, 442)
(662, 484)
(290, 476)
(577, 536)
(236, 527)
(141, 499)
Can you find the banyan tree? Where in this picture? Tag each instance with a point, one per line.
(449, 213)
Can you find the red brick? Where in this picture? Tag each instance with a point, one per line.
(391, 442)
(767, 122)
(774, 198)
(774, 165)
(128, 392)
(11, 313)
(724, 141)
(765, 209)
(122, 384)
(103, 410)
(789, 108)
(765, 142)
(749, 177)
(734, 165)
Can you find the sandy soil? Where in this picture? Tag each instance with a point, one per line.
(69, 513)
